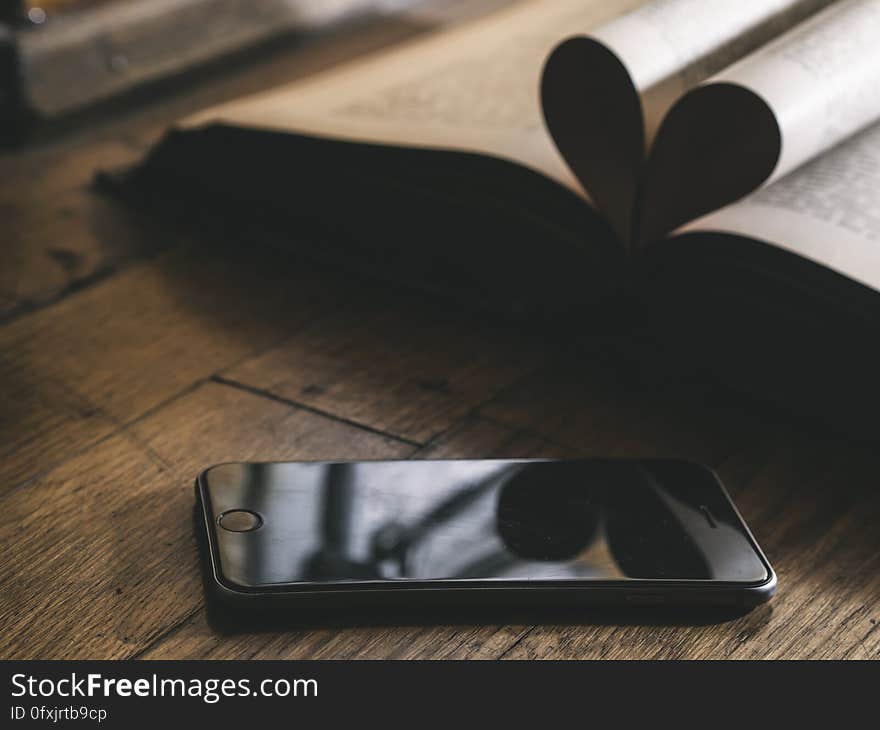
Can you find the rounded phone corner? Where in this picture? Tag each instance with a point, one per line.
(220, 473)
(226, 589)
(763, 592)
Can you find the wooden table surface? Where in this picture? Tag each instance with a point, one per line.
(133, 353)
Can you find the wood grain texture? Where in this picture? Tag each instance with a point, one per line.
(591, 405)
(99, 554)
(57, 235)
(41, 421)
(811, 502)
(408, 371)
(473, 438)
(794, 496)
(133, 356)
(129, 343)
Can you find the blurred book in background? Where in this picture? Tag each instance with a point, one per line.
(61, 56)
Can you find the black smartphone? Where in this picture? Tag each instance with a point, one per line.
(505, 532)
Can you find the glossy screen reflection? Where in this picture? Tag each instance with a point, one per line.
(478, 520)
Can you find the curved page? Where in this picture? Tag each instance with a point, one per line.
(605, 94)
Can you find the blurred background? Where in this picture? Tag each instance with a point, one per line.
(60, 57)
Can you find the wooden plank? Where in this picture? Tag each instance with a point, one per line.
(216, 423)
(79, 240)
(399, 365)
(133, 336)
(814, 508)
(34, 174)
(56, 233)
(126, 345)
(817, 509)
(782, 476)
(130, 343)
(589, 404)
(196, 639)
(100, 557)
(41, 422)
(86, 569)
(478, 438)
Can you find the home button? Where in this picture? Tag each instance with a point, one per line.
(239, 520)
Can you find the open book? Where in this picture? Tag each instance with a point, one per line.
(718, 160)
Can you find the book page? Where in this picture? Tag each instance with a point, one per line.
(605, 95)
(764, 116)
(822, 79)
(669, 46)
(473, 89)
(827, 211)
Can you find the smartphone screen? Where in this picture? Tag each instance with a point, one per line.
(289, 525)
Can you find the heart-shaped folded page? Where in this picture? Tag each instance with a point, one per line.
(717, 143)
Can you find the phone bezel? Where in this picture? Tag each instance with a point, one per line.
(631, 590)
